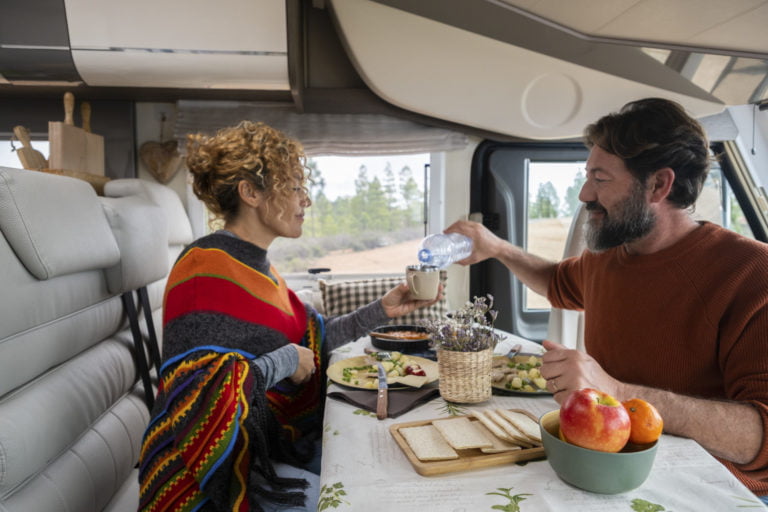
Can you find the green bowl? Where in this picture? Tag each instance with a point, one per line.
(594, 471)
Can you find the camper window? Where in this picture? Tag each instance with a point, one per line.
(8, 148)
(366, 219)
(553, 189)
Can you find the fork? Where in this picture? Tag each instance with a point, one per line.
(380, 356)
(514, 350)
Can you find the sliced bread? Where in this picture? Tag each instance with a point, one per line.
(427, 443)
(516, 435)
(499, 445)
(492, 426)
(524, 423)
(462, 434)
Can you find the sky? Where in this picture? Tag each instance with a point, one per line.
(340, 172)
(561, 175)
(9, 158)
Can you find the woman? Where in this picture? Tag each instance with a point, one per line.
(240, 386)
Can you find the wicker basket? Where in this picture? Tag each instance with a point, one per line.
(465, 377)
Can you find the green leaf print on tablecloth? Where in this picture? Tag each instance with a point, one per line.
(331, 496)
(514, 501)
(639, 505)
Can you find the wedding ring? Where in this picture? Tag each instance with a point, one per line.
(554, 385)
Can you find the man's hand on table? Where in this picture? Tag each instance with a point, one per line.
(568, 370)
(709, 422)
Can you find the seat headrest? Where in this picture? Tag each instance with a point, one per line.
(179, 227)
(141, 231)
(55, 224)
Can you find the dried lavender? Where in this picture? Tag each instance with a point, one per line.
(469, 329)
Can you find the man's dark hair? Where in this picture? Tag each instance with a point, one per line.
(654, 133)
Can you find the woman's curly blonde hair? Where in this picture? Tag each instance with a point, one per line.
(259, 154)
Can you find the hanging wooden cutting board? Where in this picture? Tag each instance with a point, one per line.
(29, 157)
(73, 148)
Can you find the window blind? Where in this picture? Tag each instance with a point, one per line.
(320, 134)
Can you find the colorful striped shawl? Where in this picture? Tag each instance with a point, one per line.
(196, 451)
(219, 275)
(214, 280)
(214, 424)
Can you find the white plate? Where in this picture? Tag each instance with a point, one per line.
(335, 372)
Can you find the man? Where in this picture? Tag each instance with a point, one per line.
(676, 311)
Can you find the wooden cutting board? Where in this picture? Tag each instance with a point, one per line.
(468, 459)
(73, 148)
(29, 157)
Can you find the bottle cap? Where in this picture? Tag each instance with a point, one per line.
(425, 255)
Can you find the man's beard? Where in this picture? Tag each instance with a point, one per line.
(631, 220)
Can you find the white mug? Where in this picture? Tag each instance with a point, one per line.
(423, 281)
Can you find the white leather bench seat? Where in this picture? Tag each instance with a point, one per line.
(71, 412)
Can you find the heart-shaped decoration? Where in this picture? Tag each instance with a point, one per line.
(162, 159)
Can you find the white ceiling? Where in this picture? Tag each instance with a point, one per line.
(740, 25)
(511, 90)
(180, 43)
(517, 88)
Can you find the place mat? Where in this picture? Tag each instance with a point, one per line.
(399, 402)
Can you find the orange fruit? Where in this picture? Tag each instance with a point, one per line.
(645, 420)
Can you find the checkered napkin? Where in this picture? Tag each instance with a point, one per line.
(344, 297)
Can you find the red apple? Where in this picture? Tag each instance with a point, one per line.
(592, 419)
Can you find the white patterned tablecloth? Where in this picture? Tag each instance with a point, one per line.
(364, 469)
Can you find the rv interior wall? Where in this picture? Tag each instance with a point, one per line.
(154, 123)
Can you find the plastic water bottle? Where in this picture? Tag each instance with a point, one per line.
(442, 250)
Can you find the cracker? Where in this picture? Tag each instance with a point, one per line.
(491, 426)
(523, 423)
(514, 433)
(427, 443)
(461, 433)
(499, 445)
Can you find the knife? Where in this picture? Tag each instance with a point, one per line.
(381, 399)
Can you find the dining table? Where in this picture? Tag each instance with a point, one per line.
(365, 469)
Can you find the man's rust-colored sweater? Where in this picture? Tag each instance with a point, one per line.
(692, 319)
